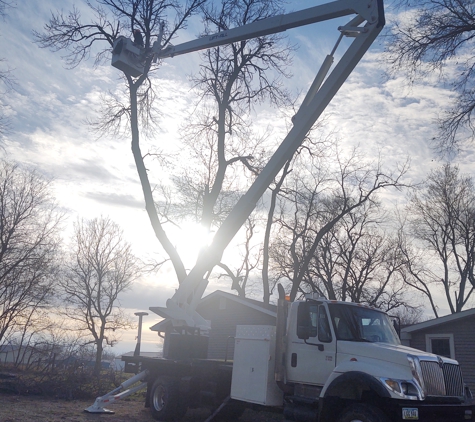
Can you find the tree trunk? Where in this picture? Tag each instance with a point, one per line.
(98, 363)
(265, 251)
(147, 190)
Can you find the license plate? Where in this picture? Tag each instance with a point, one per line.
(410, 414)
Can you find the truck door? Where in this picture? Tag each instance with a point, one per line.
(311, 349)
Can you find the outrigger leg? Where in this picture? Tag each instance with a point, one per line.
(118, 393)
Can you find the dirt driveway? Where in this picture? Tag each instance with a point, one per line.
(14, 408)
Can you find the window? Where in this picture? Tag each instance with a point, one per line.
(359, 323)
(324, 333)
(319, 326)
(313, 315)
(441, 344)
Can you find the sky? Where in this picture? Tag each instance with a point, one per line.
(50, 106)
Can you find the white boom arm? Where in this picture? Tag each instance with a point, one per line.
(273, 25)
(363, 28)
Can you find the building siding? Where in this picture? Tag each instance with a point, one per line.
(464, 344)
(225, 315)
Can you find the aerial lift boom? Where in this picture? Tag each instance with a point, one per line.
(363, 29)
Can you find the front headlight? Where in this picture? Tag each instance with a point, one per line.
(404, 389)
(409, 389)
(394, 385)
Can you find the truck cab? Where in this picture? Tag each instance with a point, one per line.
(340, 358)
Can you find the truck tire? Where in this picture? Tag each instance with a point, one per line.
(362, 413)
(165, 400)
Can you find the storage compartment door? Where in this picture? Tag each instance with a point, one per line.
(253, 367)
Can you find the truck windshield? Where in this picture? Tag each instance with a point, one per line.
(354, 323)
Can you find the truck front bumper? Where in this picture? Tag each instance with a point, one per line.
(432, 412)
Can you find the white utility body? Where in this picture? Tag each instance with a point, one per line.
(324, 361)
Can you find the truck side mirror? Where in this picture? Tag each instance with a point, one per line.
(303, 321)
(396, 324)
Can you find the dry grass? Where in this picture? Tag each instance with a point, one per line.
(15, 408)
(62, 397)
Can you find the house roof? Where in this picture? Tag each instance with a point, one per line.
(146, 354)
(439, 321)
(251, 303)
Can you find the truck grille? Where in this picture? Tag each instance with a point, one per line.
(442, 381)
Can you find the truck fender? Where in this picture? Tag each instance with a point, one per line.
(371, 370)
(348, 387)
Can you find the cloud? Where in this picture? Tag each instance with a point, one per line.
(91, 170)
(115, 199)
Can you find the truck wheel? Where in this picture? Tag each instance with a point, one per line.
(362, 413)
(165, 400)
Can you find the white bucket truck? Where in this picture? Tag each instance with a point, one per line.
(324, 361)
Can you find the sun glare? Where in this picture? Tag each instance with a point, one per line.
(189, 240)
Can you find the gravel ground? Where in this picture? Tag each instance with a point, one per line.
(14, 408)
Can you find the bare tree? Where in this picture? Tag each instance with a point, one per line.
(409, 316)
(28, 336)
(66, 31)
(233, 77)
(248, 261)
(314, 204)
(437, 37)
(266, 245)
(6, 79)
(220, 138)
(314, 146)
(442, 217)
(358, 260)
(4, 5)
(29, 244)
(100, 267)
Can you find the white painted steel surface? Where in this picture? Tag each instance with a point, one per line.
(253, 368)
(126, 56)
